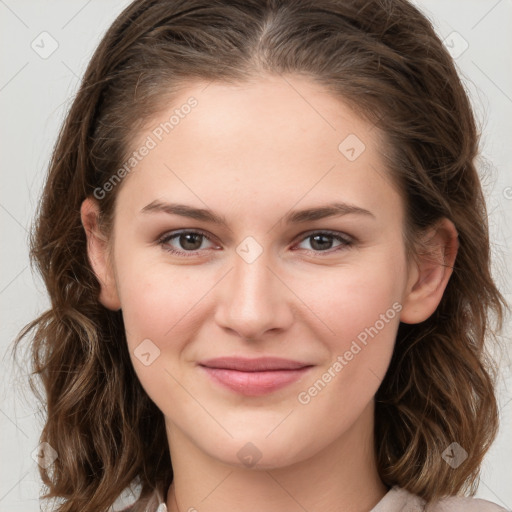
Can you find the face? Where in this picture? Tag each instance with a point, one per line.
(297, 254)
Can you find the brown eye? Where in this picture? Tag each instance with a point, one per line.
(184, 241)
(189, 241)
(322, 241)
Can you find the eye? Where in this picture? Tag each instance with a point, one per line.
(189, 241)
(322, 241)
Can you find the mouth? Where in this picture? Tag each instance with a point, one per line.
(254, 377)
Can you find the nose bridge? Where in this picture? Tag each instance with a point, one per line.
(252, 277)
(252, 300)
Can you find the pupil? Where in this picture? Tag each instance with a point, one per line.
(321, 246)
(185, 243)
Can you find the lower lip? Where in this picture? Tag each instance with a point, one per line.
(255, 383)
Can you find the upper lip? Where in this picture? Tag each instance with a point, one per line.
(253, 365)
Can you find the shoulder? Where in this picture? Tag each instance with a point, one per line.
(400, 500)
(462, 504)
(160, 508)
(154, 503)
(130, 508)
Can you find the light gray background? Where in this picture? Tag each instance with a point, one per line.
(35, 93)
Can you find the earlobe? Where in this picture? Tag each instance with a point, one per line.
(430, 273)
(98, 255)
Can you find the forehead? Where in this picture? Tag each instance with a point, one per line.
(274, 141)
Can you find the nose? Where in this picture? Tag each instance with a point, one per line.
(253, 300)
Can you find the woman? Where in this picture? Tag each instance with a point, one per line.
(266, 246)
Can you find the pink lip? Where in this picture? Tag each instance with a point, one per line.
(254, 377)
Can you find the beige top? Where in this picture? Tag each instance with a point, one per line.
(400, 500)
(395, 500)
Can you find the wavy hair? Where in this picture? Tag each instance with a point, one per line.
(384, 59)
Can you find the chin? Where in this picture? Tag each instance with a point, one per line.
(261, 453)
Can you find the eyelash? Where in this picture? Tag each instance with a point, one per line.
(346, 242)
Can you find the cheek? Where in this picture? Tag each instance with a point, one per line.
(159, 304)
(360, 352)
(156, 299)
(350, 299)
(360, 306)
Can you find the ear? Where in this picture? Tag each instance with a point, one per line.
(97, 251)
(430, 273)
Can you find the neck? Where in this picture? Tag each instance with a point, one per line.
(342, 477)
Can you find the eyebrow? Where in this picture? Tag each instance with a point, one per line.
(293, 217)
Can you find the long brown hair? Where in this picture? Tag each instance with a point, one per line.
(384, 59)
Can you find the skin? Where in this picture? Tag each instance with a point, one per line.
(252, 153)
